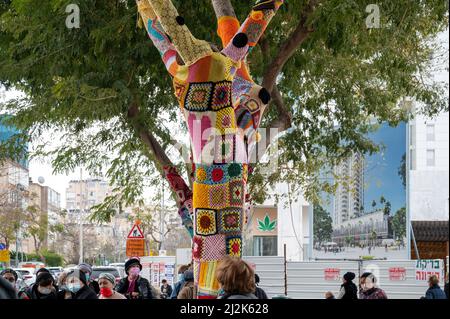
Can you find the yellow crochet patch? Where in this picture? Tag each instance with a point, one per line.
(201, 195)
(201, 174)
(226, 121)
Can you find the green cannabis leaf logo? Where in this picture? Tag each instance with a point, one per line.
(266, 225)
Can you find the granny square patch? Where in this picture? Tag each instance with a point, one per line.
(214, 248)
(206, 222)
(198, 97)
(234, 246)
(218, 196)
(226, 121)
(197, 247)
(200, 195)
(254, 30)
(222, 95)
(180, 90)
(230, 220)
(236, 193)
(252, 105)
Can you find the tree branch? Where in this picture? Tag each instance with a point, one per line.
(223, 8)
(289, 47)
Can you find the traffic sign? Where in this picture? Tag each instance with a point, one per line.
(4, 256)
(135, 247)
(136, 233)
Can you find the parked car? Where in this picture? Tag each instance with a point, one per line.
(96, 271)
(28, 274)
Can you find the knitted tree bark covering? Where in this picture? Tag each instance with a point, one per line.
(204, 87)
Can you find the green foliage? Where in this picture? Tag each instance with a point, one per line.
(322, 225)
(399, 224)
(81, 83)
(402, 170)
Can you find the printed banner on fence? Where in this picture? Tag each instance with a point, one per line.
(332, 274)
(429, 267)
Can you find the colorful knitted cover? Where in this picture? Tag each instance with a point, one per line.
(204, 89)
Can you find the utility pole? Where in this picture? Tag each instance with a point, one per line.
(81, 216)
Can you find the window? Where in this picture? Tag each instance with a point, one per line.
(265, 246)
(412, 135)
(430, 133)
(431, 158)
(412, 160)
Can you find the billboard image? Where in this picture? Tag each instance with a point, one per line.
(366, 216)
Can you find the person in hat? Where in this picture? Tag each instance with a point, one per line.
(348, 288)
(43, 288)
(27, 292)
(87, 269)
(78, 285)
(106, 282)
(134, 286)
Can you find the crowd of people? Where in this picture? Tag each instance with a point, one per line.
(237, 280)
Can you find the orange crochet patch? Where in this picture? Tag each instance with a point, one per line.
(227, 28)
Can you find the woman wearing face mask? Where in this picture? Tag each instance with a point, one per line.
(44, 287)
(180, 281)
(106, 283)
(77, 285)
(134, 286)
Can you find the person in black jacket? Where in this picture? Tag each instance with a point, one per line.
(259, 292)
(446, 286)
(77, 284)
(43, 288)
(348, 288)
(134, 286)
(166, 289)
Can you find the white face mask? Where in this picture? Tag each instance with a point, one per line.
(45, 290)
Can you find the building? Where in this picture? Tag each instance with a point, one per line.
(368, 229)
(349, 197)
(288, 224)
(82, 195)
(428, 182)
(48, 202)
(14, 181)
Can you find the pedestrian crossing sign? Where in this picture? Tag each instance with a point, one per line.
(136, 232)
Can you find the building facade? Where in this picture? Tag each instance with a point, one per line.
(349, 198)
(428, 185)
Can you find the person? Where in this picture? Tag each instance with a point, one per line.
(434, 291)
(11, 276)
(329, 295)
(64, 292)
(369, 290)
(188, 290)
(87, 269)
(26, 293)
(236, 278)
(7, 291)
(180, 282)
(43, 288)
(259, 292)
(78, 285)
(446, 286)
(166, 289)
(106, 283)
(134, 286)
(348, 288)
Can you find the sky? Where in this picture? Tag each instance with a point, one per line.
(381, 178)
(387, 179)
